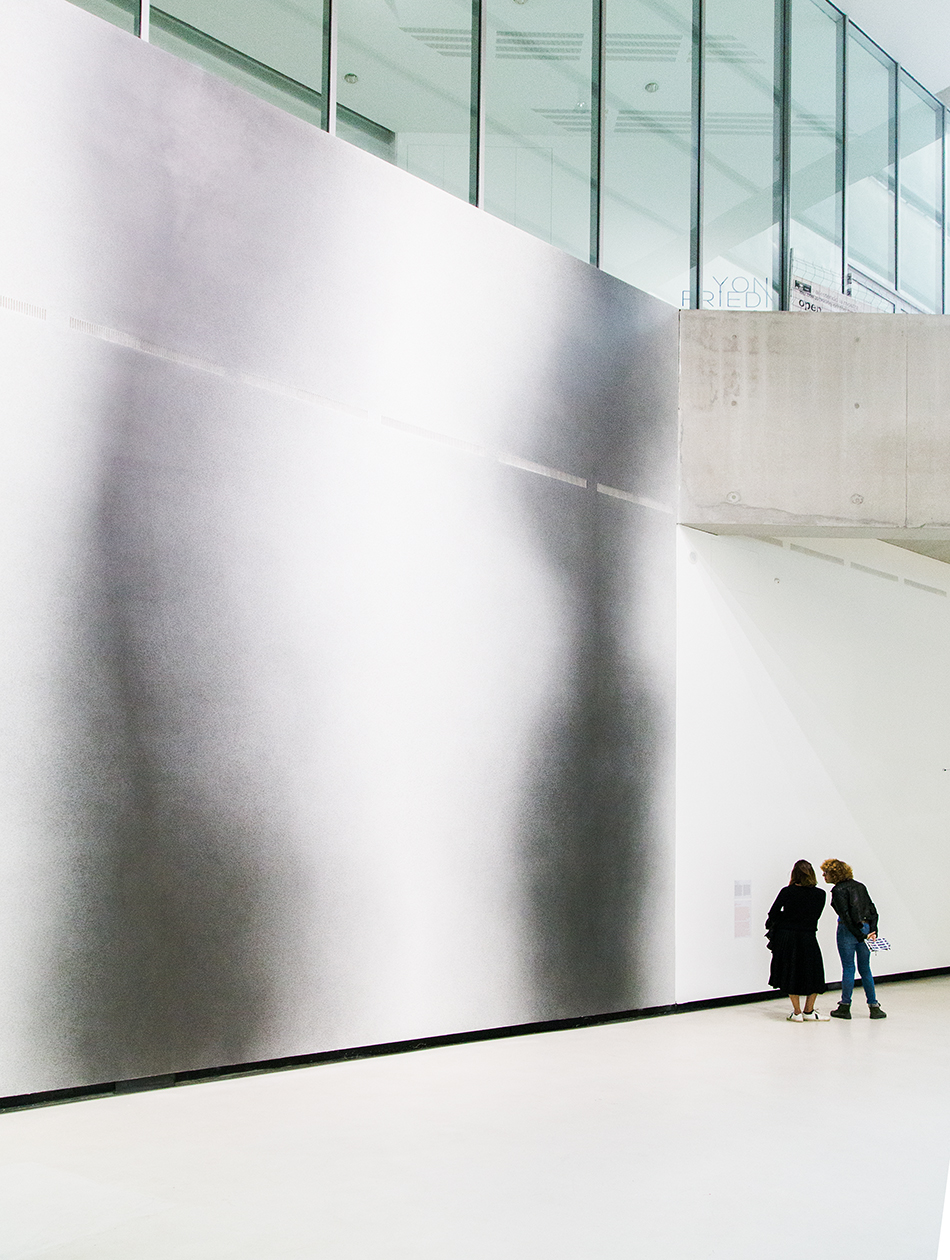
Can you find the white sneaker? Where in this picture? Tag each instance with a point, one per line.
(797, 1017)
(817, 1015)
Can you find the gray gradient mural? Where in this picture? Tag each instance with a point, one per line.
(337, 560)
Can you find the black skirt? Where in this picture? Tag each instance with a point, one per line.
(797, 966)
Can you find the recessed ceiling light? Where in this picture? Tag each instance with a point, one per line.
(351, 78)
(652, 87)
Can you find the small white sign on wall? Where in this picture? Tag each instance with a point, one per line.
(743, 908)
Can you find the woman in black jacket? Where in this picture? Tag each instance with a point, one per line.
(797, 968)
(857, 923)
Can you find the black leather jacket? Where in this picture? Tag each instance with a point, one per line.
(854, 906)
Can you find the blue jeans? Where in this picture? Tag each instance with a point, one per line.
(849, 948)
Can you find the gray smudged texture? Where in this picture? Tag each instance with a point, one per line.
(177, 948)
(593, 822)
(357, 733)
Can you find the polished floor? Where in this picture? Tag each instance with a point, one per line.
(723, 1133)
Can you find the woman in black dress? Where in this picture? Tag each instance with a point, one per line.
(797, 968)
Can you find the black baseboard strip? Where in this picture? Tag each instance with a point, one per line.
(47, 1098)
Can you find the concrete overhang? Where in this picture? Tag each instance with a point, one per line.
(816, 425)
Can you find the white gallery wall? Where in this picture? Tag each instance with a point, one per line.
(813, 720)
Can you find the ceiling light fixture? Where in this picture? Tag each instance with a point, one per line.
(652, 87)
(351, 78)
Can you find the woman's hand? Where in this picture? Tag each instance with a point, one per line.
(871, 936)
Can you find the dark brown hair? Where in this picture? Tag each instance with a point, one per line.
(835, 870)
(803, 874)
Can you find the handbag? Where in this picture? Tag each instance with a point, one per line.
(881, 942)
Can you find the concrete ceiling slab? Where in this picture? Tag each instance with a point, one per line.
(917, 34)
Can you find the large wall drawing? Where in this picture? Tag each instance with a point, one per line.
(338, 563)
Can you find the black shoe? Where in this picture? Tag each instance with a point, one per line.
(842, 1011)
(876, 1013)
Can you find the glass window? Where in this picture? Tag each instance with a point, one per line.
(273, 48)
(404, 83)
(740, 169)
(538, 119)
(119, 12)
(815, 171)
(646, 197)
(920, 128)
(872, 235)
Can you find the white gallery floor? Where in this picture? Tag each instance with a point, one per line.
(723, 1133)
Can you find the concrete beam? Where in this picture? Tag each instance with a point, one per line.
(815, 424)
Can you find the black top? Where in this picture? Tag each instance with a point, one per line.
(796, 909)
(850, 899)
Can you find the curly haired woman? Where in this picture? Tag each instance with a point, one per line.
(857, 923)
